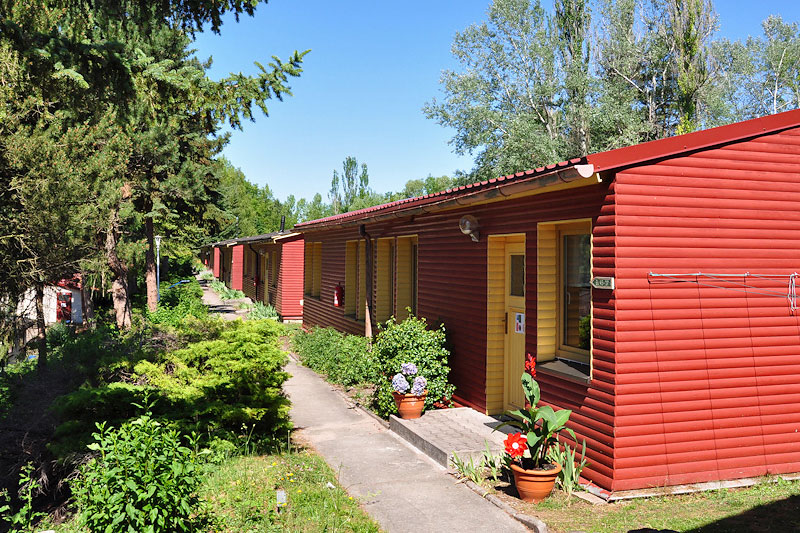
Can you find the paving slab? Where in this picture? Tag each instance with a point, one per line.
(399, 486)
(441, 433)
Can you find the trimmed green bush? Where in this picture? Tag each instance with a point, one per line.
(211, 387)
(177, 303)
(343, 359)
(143, 479)
(410, 341)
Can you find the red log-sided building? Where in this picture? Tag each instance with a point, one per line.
(267, 268)
(654, 285)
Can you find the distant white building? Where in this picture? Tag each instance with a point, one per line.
(63, 302)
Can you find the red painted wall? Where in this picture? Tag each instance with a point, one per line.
(289, 296)
(452, 289)
(708, 379)
(249, 272)
(691, 383)
(237, 266)
(215, 261)
(286, 296)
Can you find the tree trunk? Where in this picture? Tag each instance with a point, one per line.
(41, 334)
(119, 272)
(150, 267)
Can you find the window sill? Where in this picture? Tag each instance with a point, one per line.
(564, 369)
(351, 316)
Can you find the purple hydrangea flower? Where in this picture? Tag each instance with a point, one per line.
(419, 385)
(399, 383)
(409, 369)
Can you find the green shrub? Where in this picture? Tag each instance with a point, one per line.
(343, 359)
(410, 341)
(179, 302)
(192, 329)
(58, 335)
(260, 310)
(224, 292)
(144, 479)
(212, 387)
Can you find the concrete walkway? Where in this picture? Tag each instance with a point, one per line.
(215, 304)
(401, 488)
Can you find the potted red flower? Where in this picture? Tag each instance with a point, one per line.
(527, 451)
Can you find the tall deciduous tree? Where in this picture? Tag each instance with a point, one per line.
(504, 102)
(536, 88)
(691, 26)
(350, 186)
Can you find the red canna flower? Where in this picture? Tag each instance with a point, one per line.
(515, 445)
(530, 365)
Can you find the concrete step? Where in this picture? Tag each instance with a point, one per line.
(442, 432)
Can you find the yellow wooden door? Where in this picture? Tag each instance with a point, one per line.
(265, 277)
(515, 324)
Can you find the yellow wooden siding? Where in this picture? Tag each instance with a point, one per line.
(275, 262)
(316, 280)
(546, 292)
(309, 261)
(351, 277)
(404, 278)
(384, 293)
(495, 335)
(362, 281)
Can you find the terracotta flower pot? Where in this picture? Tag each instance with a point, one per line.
(534, 485)
(409, 406)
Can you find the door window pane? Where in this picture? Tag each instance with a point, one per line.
(576, 276)
(517, 275)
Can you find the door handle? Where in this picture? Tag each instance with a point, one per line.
(505, 323)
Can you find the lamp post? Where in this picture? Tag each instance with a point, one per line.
(158, 267)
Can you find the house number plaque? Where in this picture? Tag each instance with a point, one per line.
(603, 283)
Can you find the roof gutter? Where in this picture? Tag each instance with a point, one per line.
(566, 175)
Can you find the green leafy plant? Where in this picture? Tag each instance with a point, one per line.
(467, 469)
(540, 427)
(23, 519)
(493, 463)
(143, 479)
(571, 468)
(177, 303)
(343, 359)
(260, 311)
(224, 292)
(585, 332)
(210, 387)
(410, 341)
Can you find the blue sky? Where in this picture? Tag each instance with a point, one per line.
(373, 64)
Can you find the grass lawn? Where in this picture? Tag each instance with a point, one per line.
(241, 495)
(769, 506)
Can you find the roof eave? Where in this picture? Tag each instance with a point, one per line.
(430, 204)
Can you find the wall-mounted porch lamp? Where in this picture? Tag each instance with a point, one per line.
(469, 226)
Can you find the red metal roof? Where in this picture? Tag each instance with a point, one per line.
(692, 142)
(602, 162)
(438, 196)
